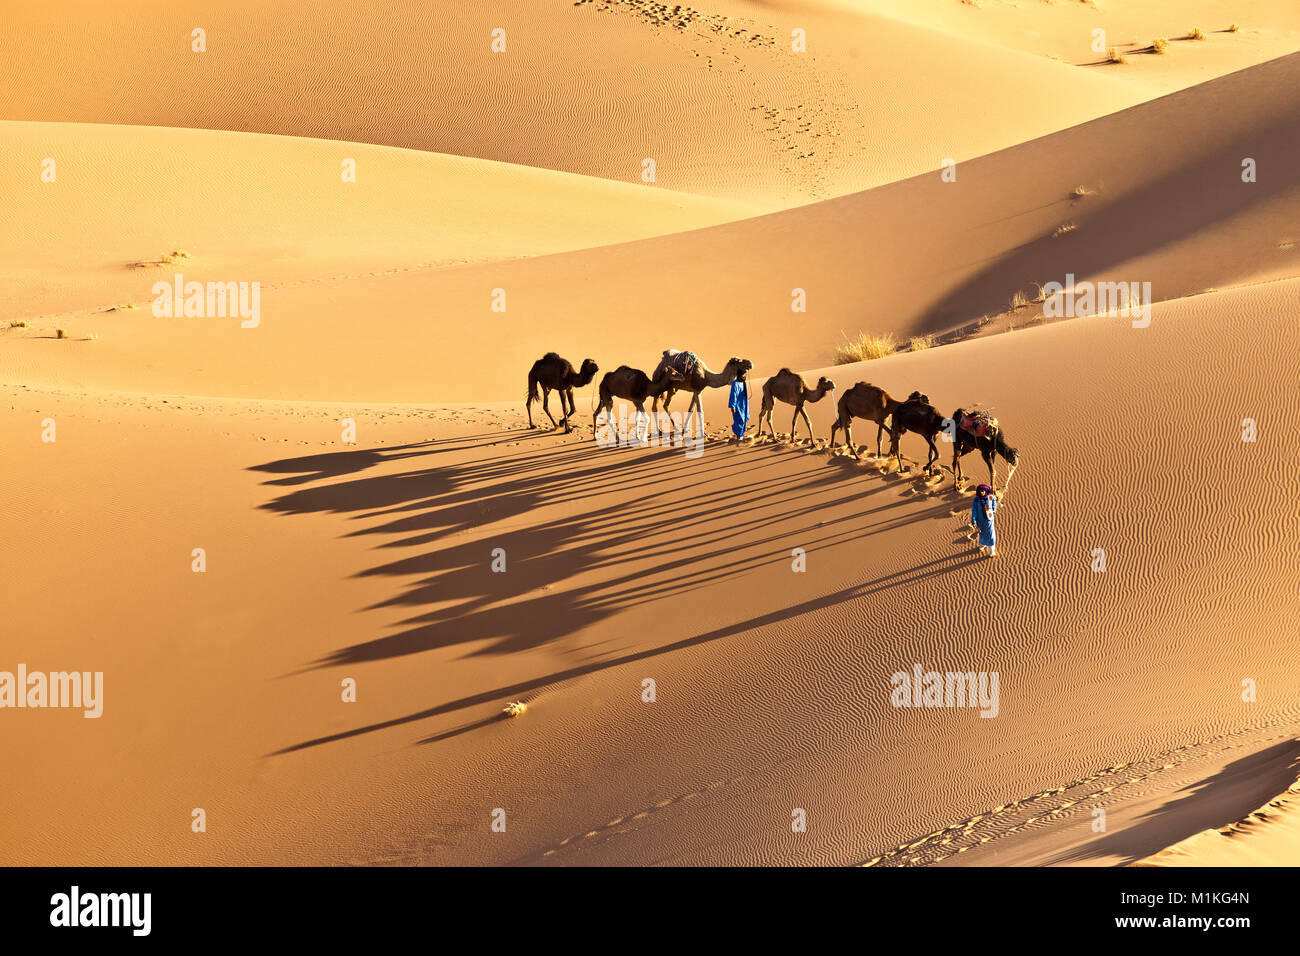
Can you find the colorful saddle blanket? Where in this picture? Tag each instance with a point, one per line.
(684, 362)
(980, 424)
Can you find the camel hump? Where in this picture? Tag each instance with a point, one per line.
(784, 370)
(553, 356)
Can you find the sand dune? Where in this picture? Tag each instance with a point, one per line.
(1064, 31)
(625, 565)
(239, 525)
(1270, 836)
(278, 209)
(722, 105)
(1167, 207)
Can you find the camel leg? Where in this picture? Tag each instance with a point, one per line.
(956, 463)
(528, 407)
(546, 397)
(567, 410)
(636, 425)
(896, 447)
(931, 456)
(668, 397)
(794, 423)
(848, 438)
(609, 418)
(697, 425)
(880, 430)
(804, 415)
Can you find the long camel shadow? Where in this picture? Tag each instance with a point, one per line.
(648, 531)
(911, 575)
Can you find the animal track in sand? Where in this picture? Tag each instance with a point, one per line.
(799, 109)
(612, 827)
(988, 826)
(680, 18)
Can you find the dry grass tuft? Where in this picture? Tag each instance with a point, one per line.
(865, 348)
(919, 343)
(1114, 56)
(514, 709)
(1159, 45)
(1196, 33)
(1063, 229)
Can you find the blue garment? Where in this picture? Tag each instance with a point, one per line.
(739, 405)
(981, 512)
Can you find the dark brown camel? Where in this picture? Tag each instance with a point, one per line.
(991, 445)
(863, 401)
(916, 415)
(635, 386)
(696, 378)
(789, 387)
(552, 372)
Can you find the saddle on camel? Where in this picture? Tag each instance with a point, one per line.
(979, 423)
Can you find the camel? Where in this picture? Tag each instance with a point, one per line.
(634, 386)
(789, 387)
(916, 415)
(991, 444)
(552, 372)
(696, 378)
(863, 401)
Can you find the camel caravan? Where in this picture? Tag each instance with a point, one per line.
(682, 371)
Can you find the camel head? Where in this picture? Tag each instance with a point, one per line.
(741, 365)
(588, 371)
(825, 385)
(668, 378)
(1009, 454)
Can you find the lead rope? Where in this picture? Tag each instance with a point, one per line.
(834, 405)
